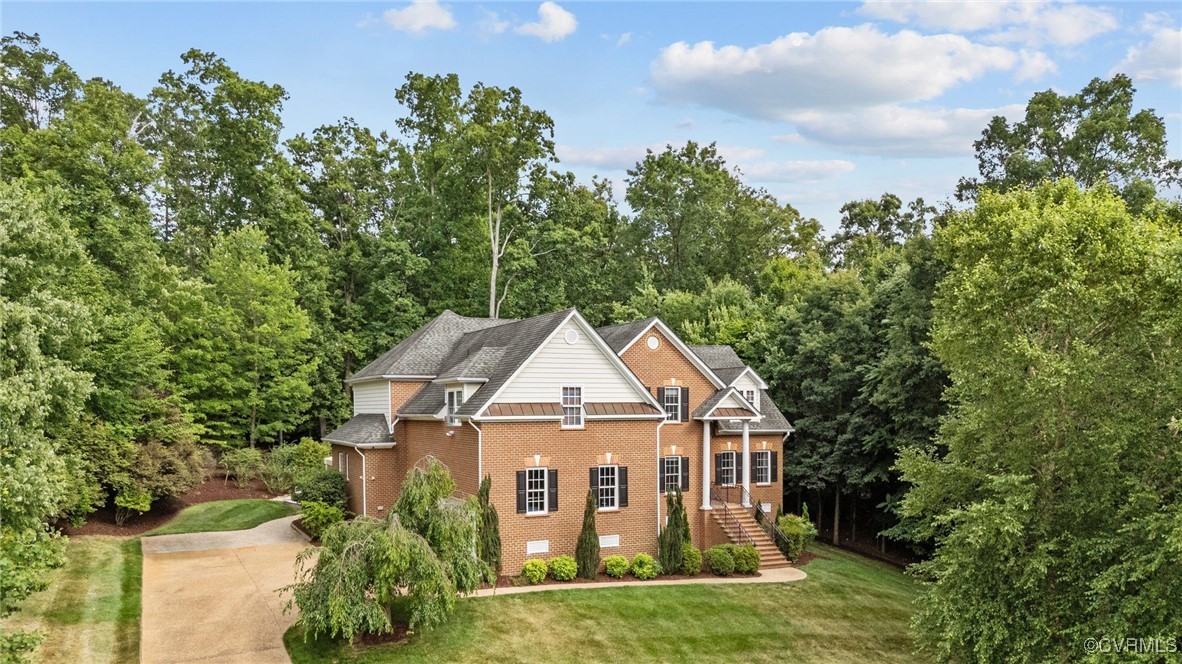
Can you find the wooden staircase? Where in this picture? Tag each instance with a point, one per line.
(770, 556)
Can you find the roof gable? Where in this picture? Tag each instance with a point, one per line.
(423, 353)
(636, 329)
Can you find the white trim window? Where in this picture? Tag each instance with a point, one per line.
(572, 407)
(343, 464)
(455, 399)
(673, 404)
(672, 472)
(763, 466)
(726, 467)
(536, 489)
(609, 484)
(752, 398)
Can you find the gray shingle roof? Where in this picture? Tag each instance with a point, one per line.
(719, 357)
(422, 353)
(496, 352)
(773, 420)
(363, 429)
(617, 336)
(713, 401)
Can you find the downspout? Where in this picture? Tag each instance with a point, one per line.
(659, 469)
(364, 482)
(479, 453)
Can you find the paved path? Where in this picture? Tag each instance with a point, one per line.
(210, 597)
(777, 575)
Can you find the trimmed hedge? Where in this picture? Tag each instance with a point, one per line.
(318, 517)
(322, 486)
(746, 559)
(720, 560)
(645, 567)
(563, 568)
(616, 566)
(691, 560)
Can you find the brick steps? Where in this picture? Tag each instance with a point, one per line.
(769, 554)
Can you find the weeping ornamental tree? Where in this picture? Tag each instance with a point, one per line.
(409, 567)
(587, 548)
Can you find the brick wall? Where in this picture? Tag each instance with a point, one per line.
(768, 493)
(510, 447)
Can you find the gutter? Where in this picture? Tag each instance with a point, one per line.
(661, 469)
(364, 483)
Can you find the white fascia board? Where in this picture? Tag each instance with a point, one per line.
(361, 446)
(759, 381)
(449, 381)
(390, 377)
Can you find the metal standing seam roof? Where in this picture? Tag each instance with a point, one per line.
(620, 408)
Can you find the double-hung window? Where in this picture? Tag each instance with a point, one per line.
(672, 471)
(608, 498)
(572, 407)
(672, 404)
(763, 467)
(455, 399)
(726, 467)
(536, 480)
(749, 395)
(343, 465)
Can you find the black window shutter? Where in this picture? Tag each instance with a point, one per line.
(661, 397)
(623, 485)
(553, 490)
(718, 469)
(661, 473)
(738, 468)
(521, 492)
(685, 473)
(594, 478)
(775, 468)
(685, 404)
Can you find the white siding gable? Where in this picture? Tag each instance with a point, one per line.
(747, 383)
(372, 397)
(578, 364)
(731, 401)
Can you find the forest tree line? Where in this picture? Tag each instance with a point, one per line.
(176, 278)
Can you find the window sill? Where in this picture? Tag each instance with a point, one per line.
(580, 428)
(608, 509)
(763, 484)
(536, 515)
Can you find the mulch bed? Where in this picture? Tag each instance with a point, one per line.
(806, 557)
(102, 522)
(505, 581)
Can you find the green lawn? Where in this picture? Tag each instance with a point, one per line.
(850, 609)
(223, 515)
(91, 611)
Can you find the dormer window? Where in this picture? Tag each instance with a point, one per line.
(750, 396)
(455, 399)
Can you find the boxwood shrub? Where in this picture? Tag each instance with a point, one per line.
(720, 560)
(691, 560)
(616, 566)
(534, 571)
(645, 567)
(563, 568)
(746, 559)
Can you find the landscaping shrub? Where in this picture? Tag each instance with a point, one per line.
(587, 548)
(720, 560)
(276, 470)
(691, 560)
(488, 541)
(322, 486)
(798, 532)
(317, 517)
(616, 566)
(746, 559)
(534, 571)
(563, 568)
(284, 464)
(244, 464)
(645, 567)
(673, 535)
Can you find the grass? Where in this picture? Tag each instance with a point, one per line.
(91, 611)
(850, 609)
(223, 515)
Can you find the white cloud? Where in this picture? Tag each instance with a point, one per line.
(795, 139)
(1034, 65)
(1159, 59)
(836, 67)
(899, 131)
(492, 23)
(1022, 21)
(622, 157)
(624, 39)
(420, 16)
(797, 171)
(554, 23)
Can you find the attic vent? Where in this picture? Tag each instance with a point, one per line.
(653, 342)
(571, 336)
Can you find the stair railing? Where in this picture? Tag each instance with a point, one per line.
(768, 523)
(729, 519)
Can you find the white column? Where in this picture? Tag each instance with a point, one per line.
(746, 463)
(706, 465)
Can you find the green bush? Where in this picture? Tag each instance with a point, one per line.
(645, 567)
(587, 548)
(720, 560)
(691, 560)
(798, 532)
(284, 464)
(615, 566)
(317, 517)
(244, 464)
(534, 571)
(746, 559)
(563, 568)
(322, 486)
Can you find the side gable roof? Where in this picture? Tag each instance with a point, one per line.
(773, 420)
(725, 402)
(422, 353)
(621, 337)
(362, 429)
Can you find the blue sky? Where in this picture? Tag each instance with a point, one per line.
(819, 103)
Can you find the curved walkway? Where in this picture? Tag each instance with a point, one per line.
(211, 597)
(777, 575)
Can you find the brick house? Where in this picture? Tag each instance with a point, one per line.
(549, 408)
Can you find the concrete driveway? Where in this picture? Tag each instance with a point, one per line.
(210, 597)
